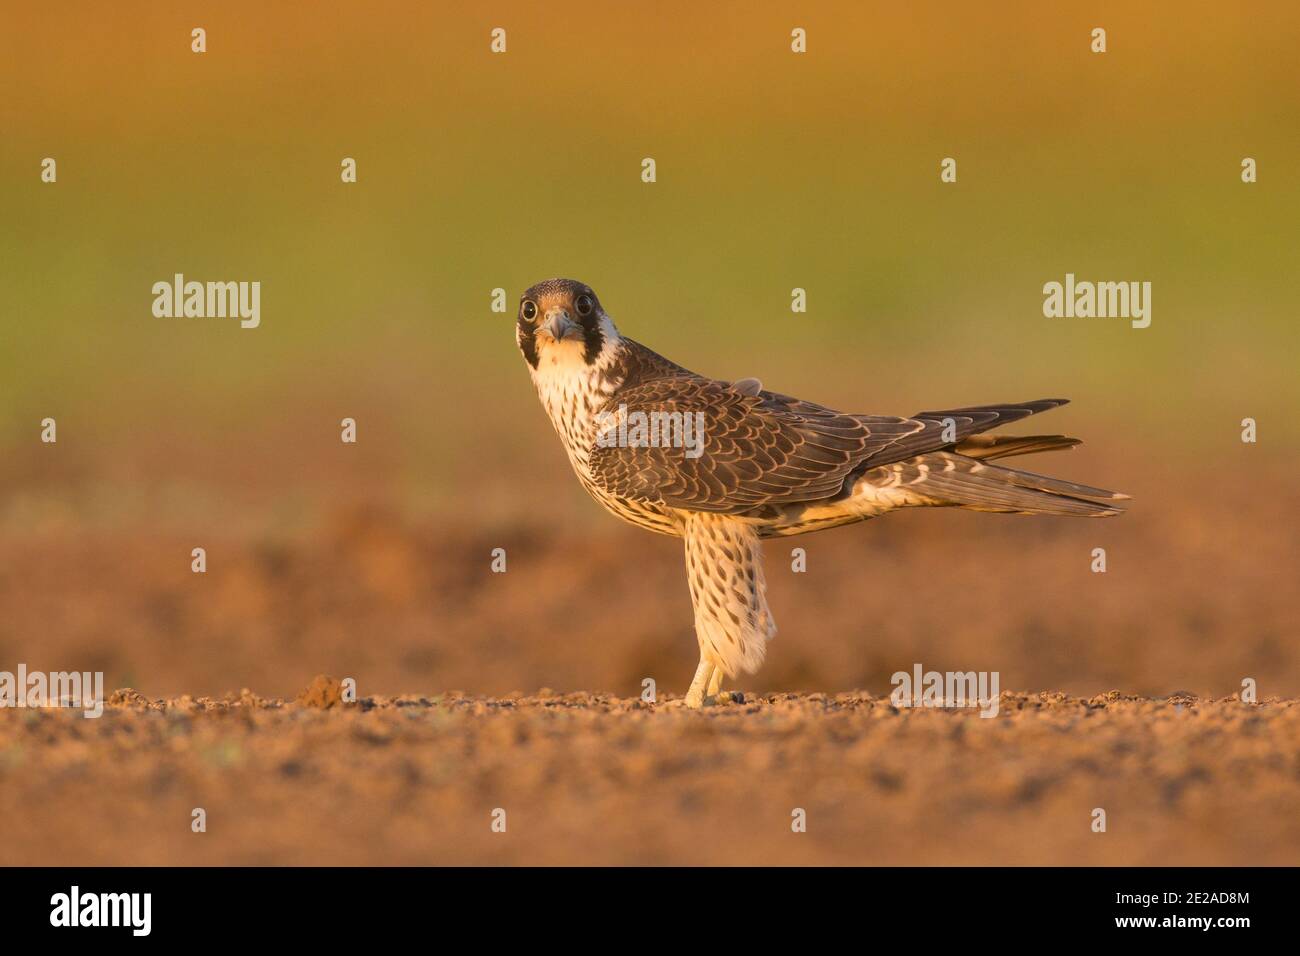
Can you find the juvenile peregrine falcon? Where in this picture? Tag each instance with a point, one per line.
(723, 465)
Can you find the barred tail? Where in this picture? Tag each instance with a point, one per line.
(946, 479)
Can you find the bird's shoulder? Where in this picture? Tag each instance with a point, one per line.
(635, 365)
(743, 446)
(644, 377)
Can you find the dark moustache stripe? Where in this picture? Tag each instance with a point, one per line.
(592, 336)
(528, 342)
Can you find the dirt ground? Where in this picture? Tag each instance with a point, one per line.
(1143, 662)
(592, 779)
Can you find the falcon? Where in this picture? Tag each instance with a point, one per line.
(723, 465)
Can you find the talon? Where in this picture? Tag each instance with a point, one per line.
(725, 697)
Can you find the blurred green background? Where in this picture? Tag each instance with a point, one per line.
(775, 170)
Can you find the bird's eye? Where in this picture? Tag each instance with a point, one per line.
(583, 304)
(530, 310)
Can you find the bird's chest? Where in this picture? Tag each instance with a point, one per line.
(572, 394)
(573, 398)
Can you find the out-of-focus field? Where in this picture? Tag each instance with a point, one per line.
(1197, 596)
(594, 779)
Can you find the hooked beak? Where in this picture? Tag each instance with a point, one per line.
(558, 324)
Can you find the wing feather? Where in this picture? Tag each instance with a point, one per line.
(759, 448)
(755, 449)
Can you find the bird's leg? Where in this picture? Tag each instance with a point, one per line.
(715, 682)
(724, 567)
(716, 695)
(703, 677)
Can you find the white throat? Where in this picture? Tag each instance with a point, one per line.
(572, 391)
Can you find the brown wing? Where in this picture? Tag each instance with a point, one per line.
(754, 449)
(768, 448)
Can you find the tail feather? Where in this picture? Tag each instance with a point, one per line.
(952, 480)
(950, 427)
(989, 447)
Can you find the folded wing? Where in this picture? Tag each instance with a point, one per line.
(711, 446)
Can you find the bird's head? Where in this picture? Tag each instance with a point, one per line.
(561, 320)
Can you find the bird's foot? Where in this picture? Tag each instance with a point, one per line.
(698, 701)
(722, 698)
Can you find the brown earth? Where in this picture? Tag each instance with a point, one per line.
(1198, 594)
(95, 575)
(592, 779)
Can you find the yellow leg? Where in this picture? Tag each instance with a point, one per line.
(715, 682)
(703, 676)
